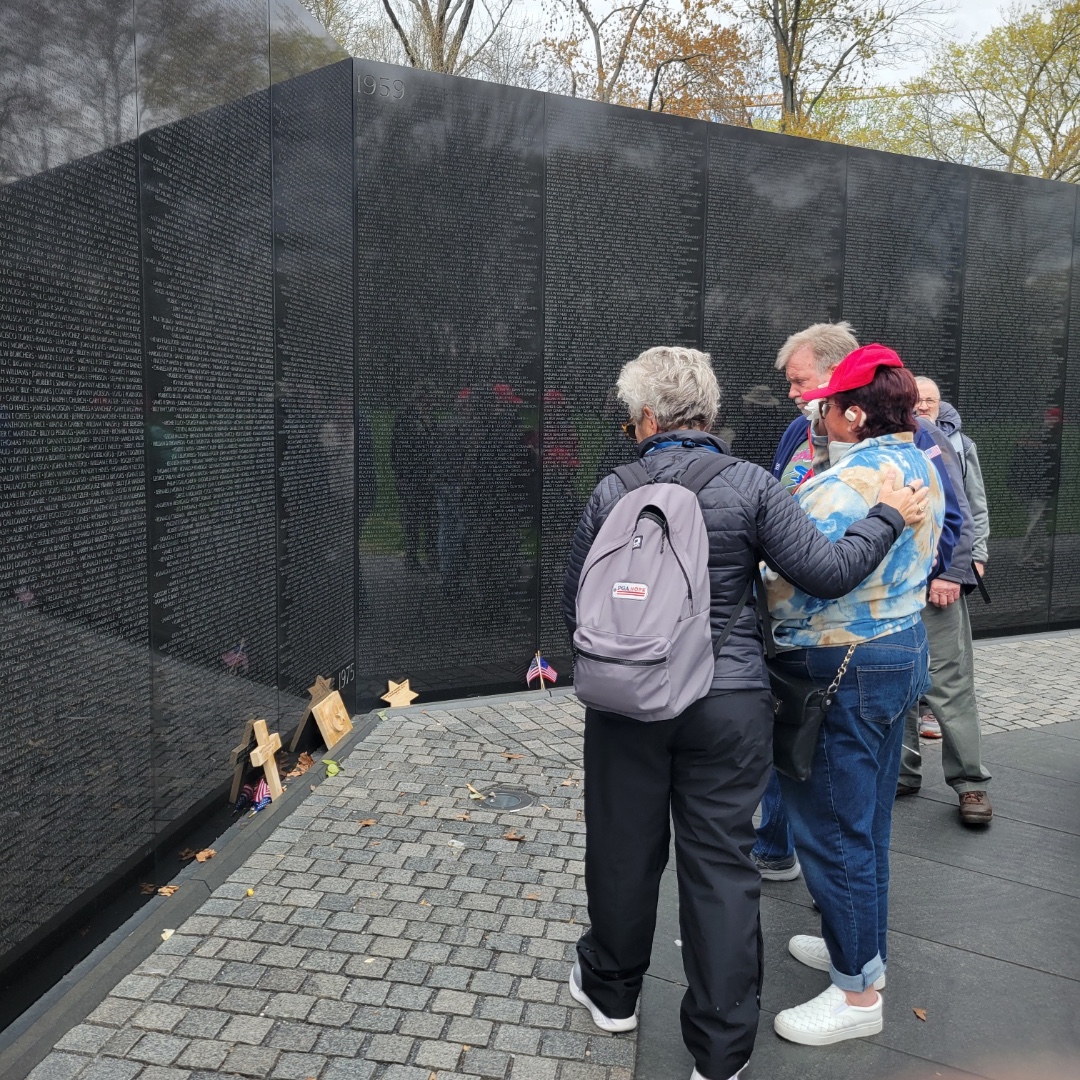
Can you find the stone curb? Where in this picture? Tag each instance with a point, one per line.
(31, 1036)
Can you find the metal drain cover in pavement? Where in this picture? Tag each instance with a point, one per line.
(508, 800)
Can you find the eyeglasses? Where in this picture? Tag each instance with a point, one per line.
(629, 430)
(824, 407)
(928, 401)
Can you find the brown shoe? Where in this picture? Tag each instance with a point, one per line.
(906, 789)
(975, 808)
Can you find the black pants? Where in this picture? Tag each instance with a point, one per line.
(706, 768)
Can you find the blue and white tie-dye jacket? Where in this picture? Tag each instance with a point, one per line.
(890, 599)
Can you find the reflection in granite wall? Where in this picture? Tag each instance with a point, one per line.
(313, 264)
(74, 666)
(622, 271)
(904, 260)
(67, 82)
(1017, 268)
(368, 388)
(774, 264)
(448, 343)
(78, 357)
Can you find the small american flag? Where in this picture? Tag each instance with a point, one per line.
(540, 669)
(933, 452)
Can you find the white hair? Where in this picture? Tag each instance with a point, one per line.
(829, 343)
(677, 384)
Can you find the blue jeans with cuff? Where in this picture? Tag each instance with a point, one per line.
(841, 817)
(774, 842)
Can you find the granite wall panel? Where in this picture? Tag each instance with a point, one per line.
(1017, 269)
(773, 265)
(449, 338)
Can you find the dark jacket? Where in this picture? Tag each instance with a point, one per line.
(749, 516)
(957, 567)
(952, 531)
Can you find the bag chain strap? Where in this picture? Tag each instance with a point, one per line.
(835, 684)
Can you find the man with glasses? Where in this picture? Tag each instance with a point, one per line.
(948, 628)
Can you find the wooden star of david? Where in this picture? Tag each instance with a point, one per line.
(399, 694)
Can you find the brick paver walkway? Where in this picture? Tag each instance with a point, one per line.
(390, 929)
(1027, 682)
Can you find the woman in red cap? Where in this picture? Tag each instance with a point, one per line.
(842, 815)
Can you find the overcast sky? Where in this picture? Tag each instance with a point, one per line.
(969, 18)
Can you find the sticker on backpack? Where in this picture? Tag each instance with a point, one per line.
(629, 590)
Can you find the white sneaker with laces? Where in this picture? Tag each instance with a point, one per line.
(604, 1023)
(695, 1075)
(813, 952)
(828, 1019)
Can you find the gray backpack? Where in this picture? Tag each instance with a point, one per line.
(643, 646)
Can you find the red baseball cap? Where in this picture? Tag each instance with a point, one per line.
(857, 369)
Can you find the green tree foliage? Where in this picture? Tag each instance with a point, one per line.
(1010, 100)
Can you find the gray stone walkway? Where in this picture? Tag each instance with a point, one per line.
(390, 929)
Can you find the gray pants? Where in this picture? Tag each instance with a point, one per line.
(952, 699)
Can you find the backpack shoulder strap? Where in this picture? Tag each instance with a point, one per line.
(701, 472)
(733, 618)
(633, 476)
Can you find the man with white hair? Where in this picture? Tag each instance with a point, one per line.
(952, 656)
(807, 359)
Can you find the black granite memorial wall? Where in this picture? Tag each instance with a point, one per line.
(308, 368)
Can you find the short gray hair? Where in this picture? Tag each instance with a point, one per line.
(677, 384)
(829, 343)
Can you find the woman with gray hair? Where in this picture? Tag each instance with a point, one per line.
(705, 769)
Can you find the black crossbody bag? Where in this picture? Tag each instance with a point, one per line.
(799, 705)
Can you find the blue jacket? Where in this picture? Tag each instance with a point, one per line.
(953, 528)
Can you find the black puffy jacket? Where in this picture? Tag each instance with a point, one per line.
(749, 517)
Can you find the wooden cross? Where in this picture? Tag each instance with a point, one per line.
(238, 759)
(322, 687)
(263, 756)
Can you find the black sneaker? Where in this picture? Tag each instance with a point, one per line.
(777, 869)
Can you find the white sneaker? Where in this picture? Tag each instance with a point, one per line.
(813, 952)
(828, 1019)
(604, 1023)
(695, 1075)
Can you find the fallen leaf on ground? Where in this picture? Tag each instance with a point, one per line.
(251, 892)
(511, 835)
(463, 817)
(187, 854)
(568, 783)
(920, 1013)
(513, 757)
(532, 896)
(147, 889)
(474, 794)
(424, 903)
(433, 1076)
(423, 802)
(206, 853)
(332, 767)
(370, 960)
(166, 934)
(303, 763)
(368, 821)
(168, 890)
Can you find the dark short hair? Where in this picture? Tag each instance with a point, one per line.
(889, 402)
